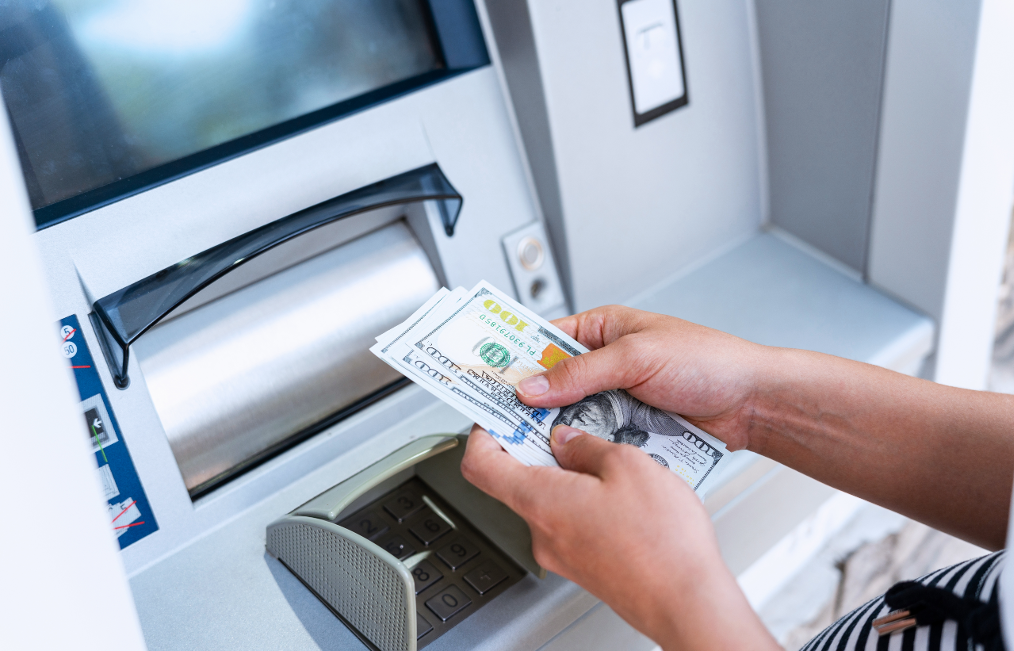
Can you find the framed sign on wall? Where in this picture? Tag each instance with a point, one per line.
(654, 52)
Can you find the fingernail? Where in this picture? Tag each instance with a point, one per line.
(563, 433)
(535, 385)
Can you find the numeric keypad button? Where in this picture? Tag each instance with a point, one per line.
(425, 575)
(448, 603)
(396, 546)
(457, 553)
(485, 577)
(429, 528)
(422, 627)
(403, 505)
(368, 524)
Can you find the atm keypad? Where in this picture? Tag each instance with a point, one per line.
(455, 570)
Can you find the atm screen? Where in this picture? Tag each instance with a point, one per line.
(108, 97)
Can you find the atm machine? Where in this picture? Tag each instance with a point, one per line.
(232, 199)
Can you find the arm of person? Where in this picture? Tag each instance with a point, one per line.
(938, 454)
(627, 530)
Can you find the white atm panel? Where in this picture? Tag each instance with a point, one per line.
(630, 206)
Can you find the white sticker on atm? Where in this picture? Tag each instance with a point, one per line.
(109, 487)
(123, 515)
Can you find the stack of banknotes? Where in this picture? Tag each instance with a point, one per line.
(470, 348)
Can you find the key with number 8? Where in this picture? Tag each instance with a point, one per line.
(425, 575)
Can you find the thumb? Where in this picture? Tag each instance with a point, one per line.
(574, 378)
(582, 452)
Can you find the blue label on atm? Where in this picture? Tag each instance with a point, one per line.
(130, 515)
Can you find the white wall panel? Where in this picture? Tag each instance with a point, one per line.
(946, 172)
(63, 582)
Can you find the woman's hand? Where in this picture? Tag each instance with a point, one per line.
(628, 531)
(707, 376)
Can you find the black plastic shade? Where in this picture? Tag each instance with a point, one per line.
(123, 316)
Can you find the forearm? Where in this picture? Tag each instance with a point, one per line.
(941, 455)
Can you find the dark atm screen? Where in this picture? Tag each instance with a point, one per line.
(108, 97)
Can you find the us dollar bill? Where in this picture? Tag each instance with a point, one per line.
(472, 348)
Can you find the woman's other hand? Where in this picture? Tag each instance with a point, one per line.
(628, 531)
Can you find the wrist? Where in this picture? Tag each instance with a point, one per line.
(770, 381)
(794, 400)
(709, 611)
(761, 378)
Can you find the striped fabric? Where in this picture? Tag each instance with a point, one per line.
(976, 578)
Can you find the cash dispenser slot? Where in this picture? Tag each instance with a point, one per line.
(406, 549)
(126, 314)
(254, 345)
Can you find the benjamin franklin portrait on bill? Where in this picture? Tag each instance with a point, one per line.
(617, 416)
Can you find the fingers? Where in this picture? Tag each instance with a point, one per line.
(611, 367)
(569, 324)
(581, 452)
(492, 470)
(603, 325)
(613, 362)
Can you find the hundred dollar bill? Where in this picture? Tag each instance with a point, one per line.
(395, 334)
(491, 343)
(488, 415)
(473, 350)
(391, 349)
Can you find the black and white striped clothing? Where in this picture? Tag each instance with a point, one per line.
(974, 579)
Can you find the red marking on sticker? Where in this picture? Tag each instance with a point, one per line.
(70, 334)
(133, 524)
(124, 511)
(80, 366)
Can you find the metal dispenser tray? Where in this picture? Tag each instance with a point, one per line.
(242, 374)
(406, 549)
